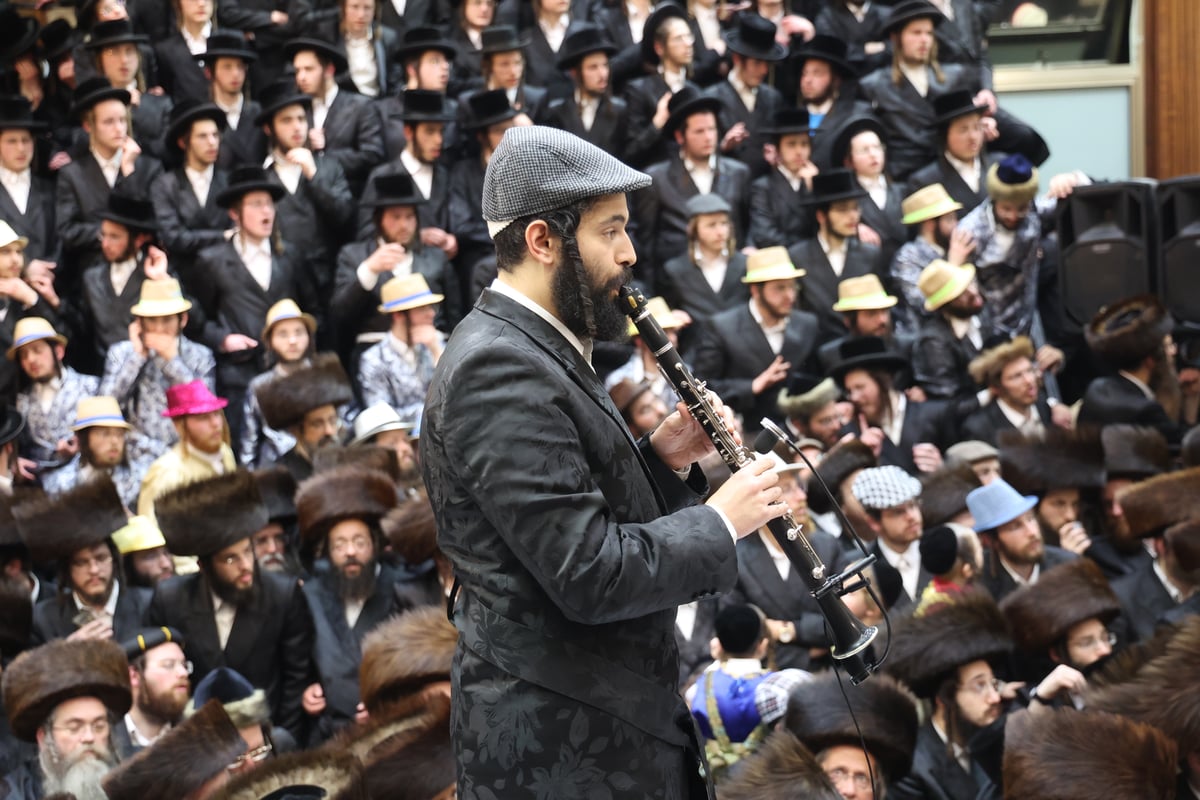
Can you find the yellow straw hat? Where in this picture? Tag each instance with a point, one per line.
(662, 315)
(139, 535)
(863, 293)
(287, 309)
(928, 202)
(406, 292)
(32, 329)
(160, 298)
(771, 264)
(941, 282)
(99, 412)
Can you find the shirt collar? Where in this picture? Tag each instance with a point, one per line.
(9, 177)
(411, 163)
(206, 173)
(115, 161)
(829, 248)
(739, 85)
(1016, 576)
(692, 166)
(330, 94)
(1138, 382)
(963, 327)
(232, 109)
(110, 606)
(758, 317)
(1171, 588)
(963, 166)
(246, 250)
(583, 347)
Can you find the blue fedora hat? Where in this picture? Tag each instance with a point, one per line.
(997, 503)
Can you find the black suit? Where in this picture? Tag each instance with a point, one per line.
(924, 423)
(935, 774)
(270, 643)
(767, 101)
(185, 227)
(417, 13)
(1114, 399)
(180, 73)
(354, 137)
(433, 213)
(245, 144)
(695, 652)
(987, 423)
(845, 108)
(820, 286)
(647, 144)
(940, 360)
(389, 71)
(733, 351)
(836, 20)
(684, 286)
(254, 17)
(103, 316)
(37, 224)
(999, 583)
(886, 221)
(779, 215)
(1143, 600)
(53, 617)
(943, 172)
(151, 117)
(541, 62)
(610, 128)
(466, 221)
(891, 583)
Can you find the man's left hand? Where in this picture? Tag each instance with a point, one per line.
(680, 440)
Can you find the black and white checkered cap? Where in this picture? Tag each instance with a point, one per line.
(885, 487)
(538, 169)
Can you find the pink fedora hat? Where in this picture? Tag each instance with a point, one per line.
(192, 398)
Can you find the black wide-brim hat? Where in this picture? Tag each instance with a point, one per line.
(188, 111)
(687, 101)
(865, 352)
(952, 105)
(397, 189)
(488, 108)
(16, 113)
(113, 32)
(853, 127)
(323, 49)
(132, 212)
(835, 185)
(660, 14)
(278, 96)
(906, 11)
(12, 422)
(420, 40)
(58, 39)
(754, 37)
(93, 91)
(18, 34)
(244, 180)
(424, 105)
(223, 44)
(501, 39)
(829, 49)
(788, 121)
(584, 40)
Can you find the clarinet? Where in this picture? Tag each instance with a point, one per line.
(850, 638)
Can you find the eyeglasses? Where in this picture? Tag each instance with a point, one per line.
(1092, 642)
(171, 664)
(76, 727)
(255, 756)
(982, 686)
(862, 781)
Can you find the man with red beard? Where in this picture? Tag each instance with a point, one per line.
(64, 696)
(158, 675)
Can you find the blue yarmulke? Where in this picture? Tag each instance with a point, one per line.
(1014, 169)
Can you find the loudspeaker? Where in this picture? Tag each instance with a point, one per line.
(1108, 234)
(1179, 266)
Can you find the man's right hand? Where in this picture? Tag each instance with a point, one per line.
(661, 114)
(749, 499)
(135, 338)
(962, 245)
(129, 155)
(386, 257)
(95, 630)
(776, 372)
(237, 341)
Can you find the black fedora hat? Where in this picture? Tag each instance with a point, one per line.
(16, 113)
(829, 49)
(278, 96)
(851, 128)
(225, 44)
(501, 39)
(754, 37)
(397, 189)
(952, 105)
(12, 422)
(188, 111)
(133, 212)
(488, 108)
(864, 352)
(906, 11)
(93, 91)
(787, 121)
(113, 32)
(58, 39)
(658, 15)
(421, 40)
(18, 34)
(583, 40)
(687, 101)
(834, 185)
(423, 105)
(246, 179)
(323, 49)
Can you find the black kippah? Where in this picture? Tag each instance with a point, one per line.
(739, 628)
(939, 549)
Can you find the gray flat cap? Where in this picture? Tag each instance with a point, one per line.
(708, 203)
(538, 169)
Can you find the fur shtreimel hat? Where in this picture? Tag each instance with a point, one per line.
(1161, 691)
(38, 680)
(55, 527)
(411, 529)
(244, 704)
(417, 764)
(1134, 452)
(16, 616)
(278, 490)
(368, 456)
(781, 768)
(887, 715)
(986, 368)
(1124, 333)
(404, 654)
(1061, 459)
(284, 401)
(927, 650)
(805, 395)
(838, 464)
(323, 773)
(184, 759)
(1083, 755)
(1012, 180)
(944, 493)
(1160, 502)
(1042, 613)
(348, 492)
(205, 517)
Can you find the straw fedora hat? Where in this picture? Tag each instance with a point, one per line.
(287, 309)
(99, 412)
(928, 202)
(771, 264)
(139, 535)
(32, 329)
(863, 293)
(662, 314)
(8, 236)
(406, 292)
(161, 298)
(941, 282)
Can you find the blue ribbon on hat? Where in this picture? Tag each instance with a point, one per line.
(406, 299)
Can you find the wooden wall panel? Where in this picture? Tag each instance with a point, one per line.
(1171, 61)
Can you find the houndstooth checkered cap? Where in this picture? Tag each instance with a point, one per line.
(538, 169)
(885, 487)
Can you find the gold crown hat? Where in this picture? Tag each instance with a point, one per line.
(941, 282)
(139, 535)
(287, 309)
(9, 236)
(771, 264)
(662, 314)
(32, 329)
(99, 412)
(406, 292)
(928, 202)
(160, 298)
(863, 293)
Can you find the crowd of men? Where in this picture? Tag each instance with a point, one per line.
(235, 239)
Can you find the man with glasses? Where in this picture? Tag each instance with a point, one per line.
(1010, 373)
(230, 613)
(159, 677)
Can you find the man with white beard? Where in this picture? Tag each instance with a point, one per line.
(158, 677)
(65, 696)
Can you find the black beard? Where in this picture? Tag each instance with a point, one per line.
(588, 311)
(958, 312)
(100, 598)
(359, 588)
(230, 593)
(940, 239)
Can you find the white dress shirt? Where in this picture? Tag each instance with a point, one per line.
(1016, 576)
(119, 273)
(710, 27)
(360, 53)
(918, 77)
(233, 113)
(703, 173)
(908, 564)
(675, 80)
(320, 105)
(877, 188)
(747, 94)
(555, 31)
(197, 44)
(256, 258)
(110, 605)
(111, 167)
(201, 182)
(895, 424)
(778, 557)
(46, 391)
(685, 619)
(713, 269)
(289, 173)
(588, 105)
(223, 615)
(1028, 423)
(970, 171)
(774, 333)
(17, 184)
(422, 173)
(836, 255)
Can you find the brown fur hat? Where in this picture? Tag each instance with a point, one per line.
(347, 492)
(184, 759)
(278, 490)
(1162, 691)
(927, 650)
(1061, 459)
(1084, 755)
(1133, 452)
(1042, 613)
(412, 530)
(397, 721)
(284, 401)
(405, 653)
(781, 768)
(339, 774)
(886, 713)
(805, 395)
(838, 464)
(367, 456)
(1151, 505)
(986, 368)
(205, 517)
(16, 615)
(55, 527)
(1126, 332)
(944, 493)
(38, 680)
(1184, 541)
(418, 764)
(9, 534)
